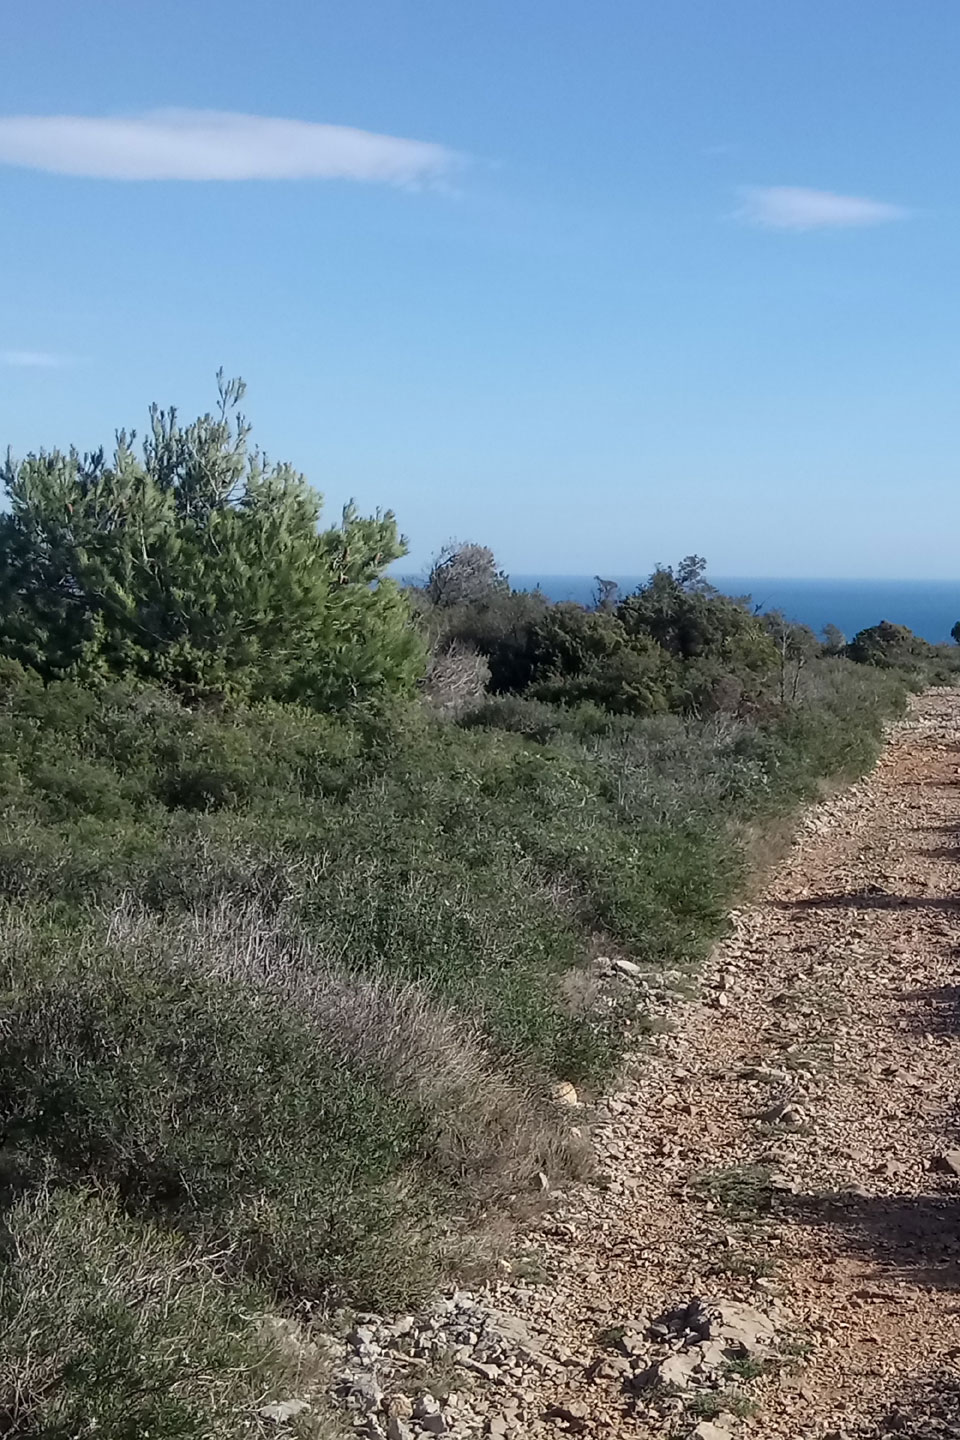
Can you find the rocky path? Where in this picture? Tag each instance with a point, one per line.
(772, 1248)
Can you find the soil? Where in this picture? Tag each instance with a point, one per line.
(784, 1144)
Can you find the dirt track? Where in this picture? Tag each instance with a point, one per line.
(781, 1146)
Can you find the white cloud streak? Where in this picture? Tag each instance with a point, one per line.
(32, 359)
(215, 145)
(790, 207)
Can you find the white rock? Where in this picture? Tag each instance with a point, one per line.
(281, 1410)
(743, 1325)
(678, 1369)
(714, 1353)
(707, 1430)
(674, 1370)
(479, 1367)
(365, 1394)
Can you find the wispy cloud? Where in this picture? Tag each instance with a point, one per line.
(790, 207)
(32, 359)
(215, 145)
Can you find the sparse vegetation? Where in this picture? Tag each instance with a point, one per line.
(709, 1404)
(744, 1266)
(112, 1327)
(743, 1192)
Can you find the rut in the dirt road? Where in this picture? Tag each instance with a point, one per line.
(785, 1149)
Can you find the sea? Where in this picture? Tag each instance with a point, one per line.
(930, 608)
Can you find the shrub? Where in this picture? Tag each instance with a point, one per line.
(578, 656)
(690, 620)
(497, 624)
(456, 678)
(888, 646)
(115, 1329)
(894, 647)
(345, 950)
(464, 574)
(538, 719)
(211, 1104)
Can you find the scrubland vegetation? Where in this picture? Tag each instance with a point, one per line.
(302, 876)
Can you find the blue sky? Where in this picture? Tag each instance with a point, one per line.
(601, 283)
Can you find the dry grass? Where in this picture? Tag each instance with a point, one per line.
(493, 1133)
(114, 1328)
(456, 679)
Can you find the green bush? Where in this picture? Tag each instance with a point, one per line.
(894, 647)
(214, 1105)
(692, 621)
(358, 947)
(579, 656)
(285, 991)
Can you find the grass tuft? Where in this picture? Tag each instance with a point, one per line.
(111, 1327)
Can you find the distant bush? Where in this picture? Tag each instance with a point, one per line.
(538, 719)
(889, 646)
(197, 565)
(456, 679)
(676, 643)
(723, 653)
(489, 618)
(834, 640)
(464, 574)
(578, 656)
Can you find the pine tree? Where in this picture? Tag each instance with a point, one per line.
(198, 564)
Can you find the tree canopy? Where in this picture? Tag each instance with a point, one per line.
(196, 562)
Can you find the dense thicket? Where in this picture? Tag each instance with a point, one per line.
(675, 644)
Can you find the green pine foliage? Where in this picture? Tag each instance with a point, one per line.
(196, 563)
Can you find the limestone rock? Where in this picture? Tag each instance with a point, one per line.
(281, 1410)
(709, 1430)
(675, 1371)
(743, 1325)
(565, 1094)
